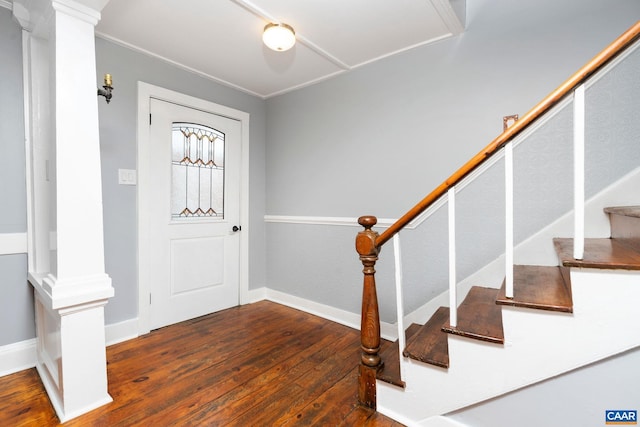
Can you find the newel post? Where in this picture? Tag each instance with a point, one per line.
(370, 321)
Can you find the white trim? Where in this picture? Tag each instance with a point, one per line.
(28, 149)
(177, 64)
(441, 421)
(17, 357)
(448, 15)
(13, 243)
(322, 220)
(122, 331)
(145, 93)
(343, 317)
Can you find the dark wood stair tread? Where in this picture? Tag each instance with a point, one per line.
(430, 344)
(479, 316)
(538, 287)
(599, 253)
(390, 371)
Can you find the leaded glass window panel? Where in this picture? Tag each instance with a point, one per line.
(197, 176)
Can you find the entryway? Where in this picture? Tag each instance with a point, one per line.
(190, 169)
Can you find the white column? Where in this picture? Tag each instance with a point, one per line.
(66, 253)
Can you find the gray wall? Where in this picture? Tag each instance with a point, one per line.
(578, 398)
(118, 151)
(16, 304)
(377, 139)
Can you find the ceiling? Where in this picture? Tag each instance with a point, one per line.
(221, 39)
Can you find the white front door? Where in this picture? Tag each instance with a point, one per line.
(192, 211)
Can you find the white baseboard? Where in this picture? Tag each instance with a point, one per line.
(17, 357)
(352, 320)
(121, 331)
(255, 295)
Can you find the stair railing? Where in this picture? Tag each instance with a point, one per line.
(369, 242)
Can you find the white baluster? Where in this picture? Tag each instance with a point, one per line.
(578, 171)
(508, 201)
(399, 300)
(453, 297)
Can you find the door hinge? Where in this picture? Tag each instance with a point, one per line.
(149, 119)
(149, 299)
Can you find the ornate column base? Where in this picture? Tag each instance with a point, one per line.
(71, 347)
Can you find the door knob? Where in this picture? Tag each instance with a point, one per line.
(236, 228)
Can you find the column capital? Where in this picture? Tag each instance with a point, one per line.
(30, 13)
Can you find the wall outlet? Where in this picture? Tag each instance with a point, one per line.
(127, 177)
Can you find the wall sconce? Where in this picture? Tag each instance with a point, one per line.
(279, 37)
(107, 88)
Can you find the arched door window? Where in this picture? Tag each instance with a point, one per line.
(197, 176)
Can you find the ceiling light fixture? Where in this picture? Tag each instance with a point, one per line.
(279, 37)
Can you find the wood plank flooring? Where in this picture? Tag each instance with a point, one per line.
(261, 364)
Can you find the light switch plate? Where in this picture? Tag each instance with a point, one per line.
(127, 177)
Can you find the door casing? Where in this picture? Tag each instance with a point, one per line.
(145, 93)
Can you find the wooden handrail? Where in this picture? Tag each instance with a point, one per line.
(541, 108)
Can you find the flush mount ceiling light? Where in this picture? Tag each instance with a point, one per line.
(279, 37)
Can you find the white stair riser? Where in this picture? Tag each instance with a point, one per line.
(539, 345)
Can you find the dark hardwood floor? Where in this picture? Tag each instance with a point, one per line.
(261, 364)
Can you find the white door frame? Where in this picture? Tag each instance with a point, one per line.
(145, 93)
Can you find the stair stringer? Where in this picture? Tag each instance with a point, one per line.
(538, 345)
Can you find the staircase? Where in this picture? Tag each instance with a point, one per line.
(560, 318)
(563, 311)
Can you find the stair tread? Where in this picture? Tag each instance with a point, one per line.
(430, 344)
(633, 211)
(538, 287)
(598, 253)
(390, 371)
(479, 316)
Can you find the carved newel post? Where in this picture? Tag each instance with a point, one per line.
(370, 322)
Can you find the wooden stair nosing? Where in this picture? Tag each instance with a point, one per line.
(538, 287)
(389, 372)
(608, 254)
(430, 345)
(479, 317)
(632, 211)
